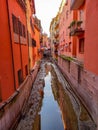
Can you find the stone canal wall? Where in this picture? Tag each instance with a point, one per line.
(10, 110)
(84, 83)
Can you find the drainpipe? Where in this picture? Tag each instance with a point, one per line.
(28, 45)
(11, 44)
(28, 40)
(20, 50)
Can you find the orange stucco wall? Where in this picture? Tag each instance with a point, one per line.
(6, 71)
(6, 65)
(91, 37)
(37, 38)
(20, 50)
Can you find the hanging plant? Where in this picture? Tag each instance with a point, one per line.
(73, 23)
(79, 23)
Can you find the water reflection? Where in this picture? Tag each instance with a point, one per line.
(37, 123)
(69, 118)
(56, 112)
(50, 115)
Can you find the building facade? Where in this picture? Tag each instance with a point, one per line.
(18, 39)
(16, 33)
(20, 44)
(78, 56)
(54, 36)
(30, 12)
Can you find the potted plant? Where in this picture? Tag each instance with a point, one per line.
(79, 23)
(73, 23)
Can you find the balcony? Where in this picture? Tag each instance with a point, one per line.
(76, 28)
(76, 4)
(22, 4)
(76, 32)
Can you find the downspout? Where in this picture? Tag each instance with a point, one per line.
(27, 39)
(20, 51)
(13, 66)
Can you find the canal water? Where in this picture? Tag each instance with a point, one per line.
(50, 112)
(58, 108)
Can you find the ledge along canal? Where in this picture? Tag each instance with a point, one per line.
(52, 104)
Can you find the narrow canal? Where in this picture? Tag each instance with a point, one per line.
(53, 105)
(50, 112)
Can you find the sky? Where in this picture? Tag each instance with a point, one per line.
(45, 11)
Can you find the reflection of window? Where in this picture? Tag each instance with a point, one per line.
(20, 77)
(81, 45)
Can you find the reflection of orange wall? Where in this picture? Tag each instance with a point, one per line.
(91, 37)
(6, 72)
(37, 38)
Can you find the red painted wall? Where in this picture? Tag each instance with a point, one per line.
(6, 68)
(22, 51)
(91, 37)
(66, 17)
(6, 71)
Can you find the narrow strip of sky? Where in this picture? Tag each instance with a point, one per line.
(45, 11)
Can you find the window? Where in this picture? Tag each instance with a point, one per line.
(26, 70)
(33, 43)
(15, 24)
(24, 33)
(20, 79)
(18, 27)
(81, 45)
(81, 14)
(69, 46)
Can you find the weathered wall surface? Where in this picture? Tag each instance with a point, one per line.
(84, 83)
(11, 108)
